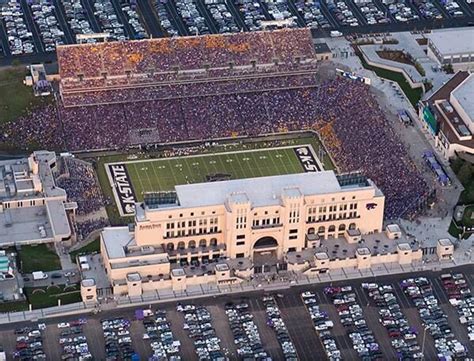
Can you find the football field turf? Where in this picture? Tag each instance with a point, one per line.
(164, 174)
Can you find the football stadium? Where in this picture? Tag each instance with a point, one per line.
(125, 95)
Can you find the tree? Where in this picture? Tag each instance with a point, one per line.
(456, 164)
(465, 174)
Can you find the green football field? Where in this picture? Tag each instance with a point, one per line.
(164, 174)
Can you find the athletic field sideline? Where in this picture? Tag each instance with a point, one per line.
(163, 174)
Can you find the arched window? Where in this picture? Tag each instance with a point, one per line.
(202, 243)
(213, 242)
(181, 245)
(332, 228)
(192, 244)
(170, 246)
(311, 230)
(342, 227)
(321, 230)
(352, 226)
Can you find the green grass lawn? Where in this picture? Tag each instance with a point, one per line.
(93, 247)
(13, 306)
(38, 258)
(41, 297)
(15, 97)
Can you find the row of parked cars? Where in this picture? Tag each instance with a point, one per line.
(352, 318)
(372, 14)
(433, 318)
(165, 20)
(76, 18)
(222, 16)
(310, 11)
(280, 11)
(245, 332)
(158, 332)
(74, 345)
(461, 298)
(198, 323)
(402, 11)
(191, 16)
(109, 20)
(427, 9)
(29, 343)
(118, 342)
(402, 336)
(322, 326)
(133, 19)
(275, 321)
(47, 23)
(340, 10)
(20, 37)
(453, 9)
(252, 13)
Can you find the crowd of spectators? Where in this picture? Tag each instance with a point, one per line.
(165, 54)
(347, 117)
(81, 186)
(84, 228)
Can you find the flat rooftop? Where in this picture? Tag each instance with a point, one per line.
(19, 225)
(115, 239)
(267, 191)
(338, 248)
(453, 41)
(464, 94)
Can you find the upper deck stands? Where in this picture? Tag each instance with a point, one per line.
(170, 54)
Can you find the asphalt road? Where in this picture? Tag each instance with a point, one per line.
(293, 312)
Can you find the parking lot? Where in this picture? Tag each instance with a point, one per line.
(386, 315)
(36, 27)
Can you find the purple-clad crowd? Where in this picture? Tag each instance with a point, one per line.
(83, 229)
(81, 186)
(349, 120)
(167, 54)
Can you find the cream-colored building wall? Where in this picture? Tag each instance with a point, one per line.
(290, 221)
(143, 270)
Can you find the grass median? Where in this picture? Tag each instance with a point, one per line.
(41, 257)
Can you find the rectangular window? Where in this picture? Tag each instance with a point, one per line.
(239, 255)
(293, 237)
(240, 243)
(241, 236)
(293, 231)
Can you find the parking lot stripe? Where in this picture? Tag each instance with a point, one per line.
(405, 302)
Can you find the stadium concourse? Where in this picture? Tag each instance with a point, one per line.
(117, 94)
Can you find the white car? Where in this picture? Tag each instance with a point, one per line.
(63, 325)
(308, 294)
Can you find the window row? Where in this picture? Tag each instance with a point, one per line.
(191, 244)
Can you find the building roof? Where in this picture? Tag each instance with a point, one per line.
(22, 225)
(453, 41)
(321, 48)
(464, 94)
(115, 239)
(261, 191)
(445, 90)
(58, 217)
